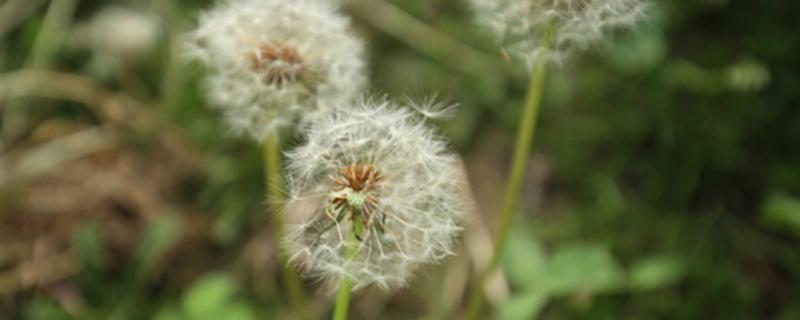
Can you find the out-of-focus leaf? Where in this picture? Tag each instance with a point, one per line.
(581, 267)
(159, 236)
(209, 296)
(169, 313)
(524, 261)
(586, 269)
(239, 311)
(525, 306)
(782, 211)
(747, 75)
(655, 272)
(45, 309)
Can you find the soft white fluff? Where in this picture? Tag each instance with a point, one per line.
(272, 62)
(124, 33)
(420, 195)
(523, 25)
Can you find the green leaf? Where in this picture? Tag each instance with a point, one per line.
(209, 297)
(524, 262)
(525, 306)
(169, 313)
(45, 309)
(655, 272)
(582, 267)
(239, 311)
(159, 236)
(782, 211)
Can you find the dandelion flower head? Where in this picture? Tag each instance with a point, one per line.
(553, 29)
(273, 62)
(374, 195)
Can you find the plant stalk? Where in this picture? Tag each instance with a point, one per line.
(272, 167)
(48, 41)
(342, 300)
(516, 176)
(345, 286)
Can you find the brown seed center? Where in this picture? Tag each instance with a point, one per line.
(277, 64)
(358, 177)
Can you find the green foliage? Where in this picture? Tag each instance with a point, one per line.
(45, 309)
(576, 269)
(522, 306)
(655, 272)
(157, 238)
(783, 212)
(210, 298)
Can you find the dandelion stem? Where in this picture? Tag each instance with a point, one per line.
(272, 165)
(342, 300)
(343, 297)
(521, 154)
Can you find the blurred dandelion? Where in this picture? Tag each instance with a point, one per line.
(272, 62)
(523, 25)
(123, 33)
(374, 195)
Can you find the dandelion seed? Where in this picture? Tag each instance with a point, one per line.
(274, 62)
(377, 172)
(523, 25)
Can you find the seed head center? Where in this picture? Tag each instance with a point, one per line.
(355, 199)
(358, 177)
(277, 64)
(357, 185)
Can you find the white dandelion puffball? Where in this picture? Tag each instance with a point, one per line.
(374, 195)
(272, 62)
(124, 33)
(524, 26)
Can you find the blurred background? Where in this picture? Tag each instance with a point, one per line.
(665, 181)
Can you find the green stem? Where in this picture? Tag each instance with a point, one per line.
(521, 154)
(342, 299)
(272, 166)
(53, 32)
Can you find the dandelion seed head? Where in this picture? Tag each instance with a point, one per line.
(522, 25)
(273, 62)
(123, 33)
(376, 171)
